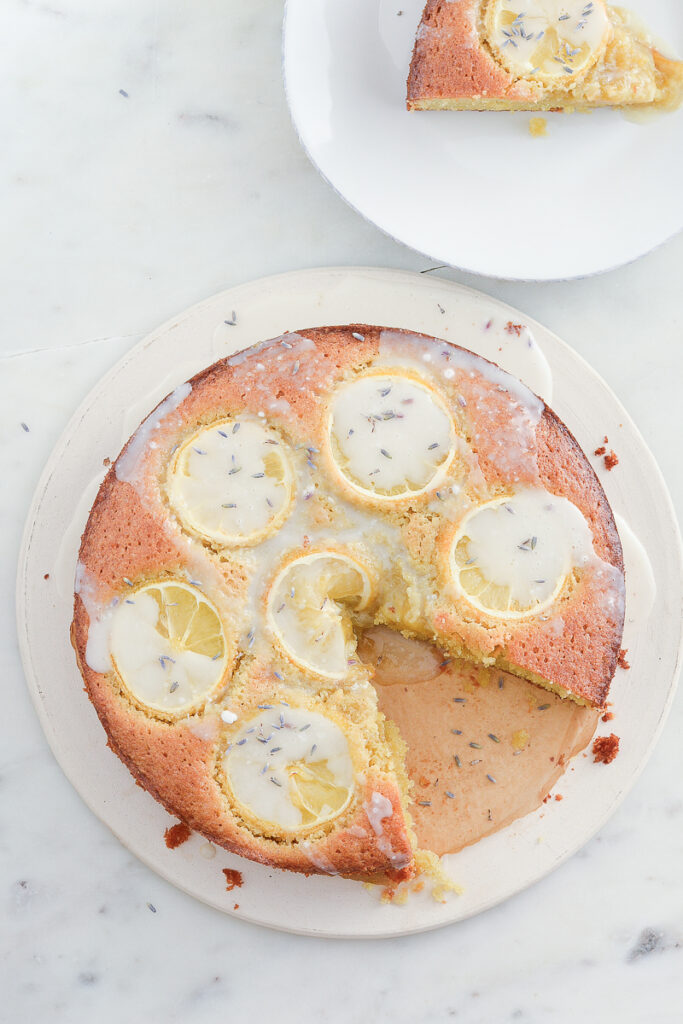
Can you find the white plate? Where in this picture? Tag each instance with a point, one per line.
(498, 866)
(475, 190)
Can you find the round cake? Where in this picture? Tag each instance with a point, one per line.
(279, 505)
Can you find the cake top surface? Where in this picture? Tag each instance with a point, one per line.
(289, 498)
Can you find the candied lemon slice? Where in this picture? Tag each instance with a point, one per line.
(512, 556)
(390, 436)
(231, 483)
(314, 791)
(289, 768)
(552, 41)
(168, 646)
(309, 607)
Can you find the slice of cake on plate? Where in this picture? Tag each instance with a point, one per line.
(537, 55)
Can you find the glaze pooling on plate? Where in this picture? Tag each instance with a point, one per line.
(270, 627)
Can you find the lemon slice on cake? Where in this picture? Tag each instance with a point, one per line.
(512, 557)
(168, 646)
(552, 41)
(231, 482)
(315, 791)
(289, 769)
(309, 610)
(390, 436)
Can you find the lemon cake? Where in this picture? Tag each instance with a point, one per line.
(537, 55)
(279, 505)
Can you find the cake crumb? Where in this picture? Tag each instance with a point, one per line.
(511, 328)
(605, 749)
(538, 127)
(621, 660)
(46, 576)
(608, 716)
(600, 451)
(558, 796)
(176, 835)
(236, 907)
(233, 879)
(611, 460)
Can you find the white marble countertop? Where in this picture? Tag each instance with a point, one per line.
(149, 161)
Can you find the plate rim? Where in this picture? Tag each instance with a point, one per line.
(31, 674)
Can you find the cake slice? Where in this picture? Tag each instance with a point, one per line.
(537, 55)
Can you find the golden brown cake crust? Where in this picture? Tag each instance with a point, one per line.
(131, 534)
(449, 60)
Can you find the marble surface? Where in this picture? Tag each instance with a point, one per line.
(149, 161)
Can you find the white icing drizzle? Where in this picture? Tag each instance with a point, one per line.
(554, 40)
(97, 656)
(390, 434)
(258, 757)
(201, 727)
(231, 481)
(641, 584)
(317, 859)
(378, 808)
(129, 463)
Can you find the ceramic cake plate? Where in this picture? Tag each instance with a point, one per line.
(495, 868)
(473, 189)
